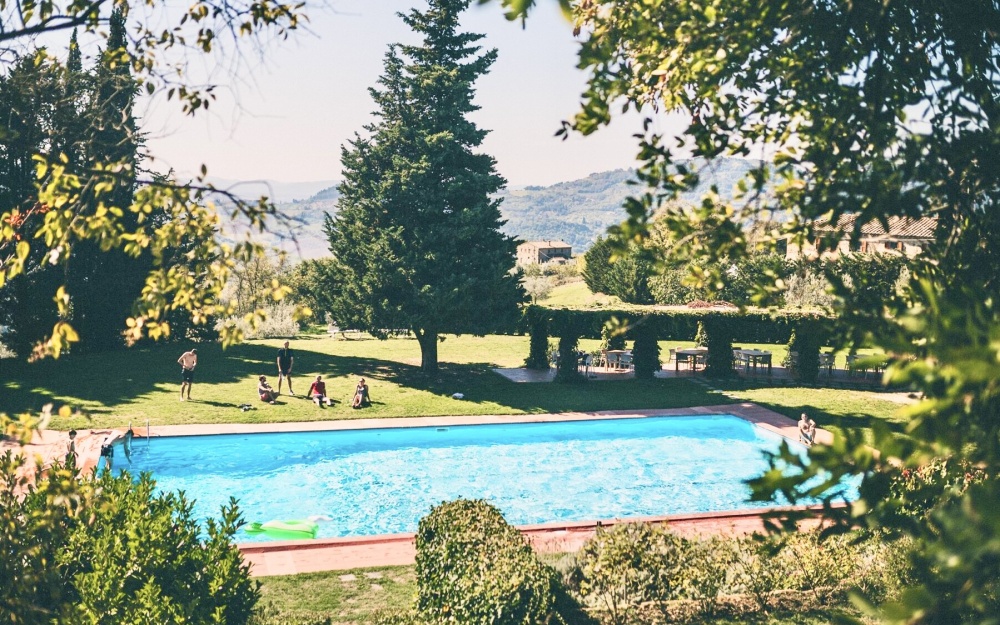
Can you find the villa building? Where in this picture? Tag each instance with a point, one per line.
(904, 236)
(532, 252)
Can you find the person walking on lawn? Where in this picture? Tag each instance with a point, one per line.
(285, 361)
(188, 361)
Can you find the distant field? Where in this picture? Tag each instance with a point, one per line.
(576, 294)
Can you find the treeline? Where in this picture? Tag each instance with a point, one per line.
(633, 276)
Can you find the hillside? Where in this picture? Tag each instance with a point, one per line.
(576, 212)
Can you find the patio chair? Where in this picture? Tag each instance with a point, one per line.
(625, 362)
(740, 359)
(700, 360)
(672, 355)
(826, 362)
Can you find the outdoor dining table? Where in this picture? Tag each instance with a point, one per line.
(860, 364)
(756, 357)
(613, 357)
(690, 354)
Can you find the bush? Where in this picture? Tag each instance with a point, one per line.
(140, 556)
(759, 569)
(709, 572)
(279, 323)
(568, 369)
(86, 550)
(538, 353)
(646, 353)
(475, 569)
(630, 565)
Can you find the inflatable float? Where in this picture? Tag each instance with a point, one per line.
(289, 530)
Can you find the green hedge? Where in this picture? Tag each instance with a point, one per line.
(476, 569)
(670, 325)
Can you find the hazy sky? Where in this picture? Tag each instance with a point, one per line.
(287, 118)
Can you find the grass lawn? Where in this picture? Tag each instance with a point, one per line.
(315, 596)
(140, 384)
(577, 295)
(833, 409)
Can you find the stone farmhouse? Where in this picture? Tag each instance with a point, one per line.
(905, 235)
(533, 252)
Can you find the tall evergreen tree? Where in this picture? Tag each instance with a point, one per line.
(33, 108)
(105, 284)
(416, 240)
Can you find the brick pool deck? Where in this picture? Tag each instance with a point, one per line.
(291, 557)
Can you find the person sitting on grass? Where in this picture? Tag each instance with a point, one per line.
(265, 391)
(807, 429)
(318, 393)
(361, 397)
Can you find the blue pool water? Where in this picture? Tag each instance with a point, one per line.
(383, 481)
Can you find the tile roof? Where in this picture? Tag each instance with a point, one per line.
(899, 227)
(546, 244)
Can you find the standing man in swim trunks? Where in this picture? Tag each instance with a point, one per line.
(285, 361)
(188, 361)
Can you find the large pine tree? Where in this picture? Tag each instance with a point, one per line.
(416, 240)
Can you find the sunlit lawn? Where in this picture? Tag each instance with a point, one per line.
(140, 384)
(577, 295)
(312, 597)
(135, 385)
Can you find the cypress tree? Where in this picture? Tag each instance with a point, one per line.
(416, 240)
(105, 284)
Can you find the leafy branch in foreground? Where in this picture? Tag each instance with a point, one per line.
(865, 110)
(71, 158)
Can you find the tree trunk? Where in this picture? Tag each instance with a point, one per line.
(428, 350)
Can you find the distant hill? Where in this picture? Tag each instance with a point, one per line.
(576, 212)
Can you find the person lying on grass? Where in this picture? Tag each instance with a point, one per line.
(265, 391)
(318, 393)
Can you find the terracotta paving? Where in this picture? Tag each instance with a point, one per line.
(778, 374)
(294, 557)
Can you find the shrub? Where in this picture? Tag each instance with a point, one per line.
(759, 569)
(629, 565)
(86, 550)
(473, 568)
(278, 323)
(140, 556)
(538, 353)
(709, 572)
(820, 565)
(646, 352)
(568, 369)
(612, 336)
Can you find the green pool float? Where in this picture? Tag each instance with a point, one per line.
(289, 530)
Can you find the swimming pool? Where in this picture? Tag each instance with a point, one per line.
(382, 481)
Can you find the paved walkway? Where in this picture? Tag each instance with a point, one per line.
(779, 376)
